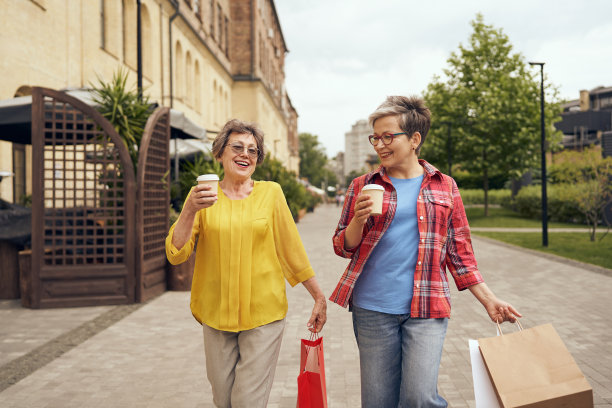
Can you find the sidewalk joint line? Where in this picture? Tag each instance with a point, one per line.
(16, 370)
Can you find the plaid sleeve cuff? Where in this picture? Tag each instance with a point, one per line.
(339, 246)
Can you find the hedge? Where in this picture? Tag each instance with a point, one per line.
(476, 196)
(561, 199)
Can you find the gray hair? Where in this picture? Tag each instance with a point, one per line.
(238, 126)
(412, 115)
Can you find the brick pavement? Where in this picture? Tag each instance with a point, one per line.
(154, 356)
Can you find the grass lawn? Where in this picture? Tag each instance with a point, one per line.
(502, 217)
(573, 245)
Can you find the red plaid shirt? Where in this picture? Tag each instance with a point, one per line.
(444, 241)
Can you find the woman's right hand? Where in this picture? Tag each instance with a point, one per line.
(363, 208)
(201, 197)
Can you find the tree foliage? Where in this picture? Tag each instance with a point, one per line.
(313, 161)
(296, 194)
(491, 101)
(591, 174)
(124, 109)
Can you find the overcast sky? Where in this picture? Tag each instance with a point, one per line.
(346, 56)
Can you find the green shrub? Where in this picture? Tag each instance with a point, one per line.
(296, 194)
(576, 167)
(561, 198)
(190, 170)
(476, 196)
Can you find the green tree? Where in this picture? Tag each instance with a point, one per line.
(295, 193)
(313, 161)
(490, 99)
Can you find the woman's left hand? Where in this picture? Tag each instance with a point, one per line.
(500, 311)
(318, 316)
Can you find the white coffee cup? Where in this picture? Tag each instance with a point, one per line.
(211, 179)
(376, 193)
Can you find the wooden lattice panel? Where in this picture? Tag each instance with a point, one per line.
(155, 194)
(83, 206)
(84, 213)
(153, 205)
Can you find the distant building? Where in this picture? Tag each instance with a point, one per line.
(336, 165)
(588, 121)
(357, 147)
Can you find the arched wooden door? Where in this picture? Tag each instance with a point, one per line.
(83, 206)
(153, 210)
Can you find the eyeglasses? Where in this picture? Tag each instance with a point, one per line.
(386, 138)
(237, 148)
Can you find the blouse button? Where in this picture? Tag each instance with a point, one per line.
(422, 241)
(419, 197)
(417, 285)
(419, 262)
(421, 217)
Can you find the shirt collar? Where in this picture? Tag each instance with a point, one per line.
(381, 172)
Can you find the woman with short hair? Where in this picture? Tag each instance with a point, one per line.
(247, 246)
(396, 281)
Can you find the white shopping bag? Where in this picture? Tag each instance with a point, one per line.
(484, 393)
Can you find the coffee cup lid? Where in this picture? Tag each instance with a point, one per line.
(208, 177)
(373, 187)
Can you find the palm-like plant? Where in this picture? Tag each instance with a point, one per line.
(124, 109)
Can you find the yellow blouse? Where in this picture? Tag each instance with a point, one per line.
(245, 248)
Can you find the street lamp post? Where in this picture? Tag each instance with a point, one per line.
(543, 148)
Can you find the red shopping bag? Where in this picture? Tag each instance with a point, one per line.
(311, 380)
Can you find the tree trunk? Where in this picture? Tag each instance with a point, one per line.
(594, 229)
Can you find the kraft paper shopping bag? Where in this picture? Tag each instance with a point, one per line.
(533, 368)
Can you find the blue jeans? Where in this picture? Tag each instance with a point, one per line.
(399, 359)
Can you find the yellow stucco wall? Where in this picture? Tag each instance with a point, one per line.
(59, 44)
(253, 103)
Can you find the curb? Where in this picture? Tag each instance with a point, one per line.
(566, 261)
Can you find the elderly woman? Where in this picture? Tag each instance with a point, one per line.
(248, 245)
(396, 280)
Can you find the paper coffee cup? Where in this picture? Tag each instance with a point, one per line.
(211, 179)
(376, 194)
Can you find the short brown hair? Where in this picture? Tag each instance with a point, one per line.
(412, 115)
(238, 126)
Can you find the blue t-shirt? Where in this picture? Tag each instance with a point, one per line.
(386, 282)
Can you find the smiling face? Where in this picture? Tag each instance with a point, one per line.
(401, 151)
(239, 166)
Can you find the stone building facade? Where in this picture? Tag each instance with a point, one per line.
(357, 148)
(211, 59)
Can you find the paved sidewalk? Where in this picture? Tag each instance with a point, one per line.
(154, 356)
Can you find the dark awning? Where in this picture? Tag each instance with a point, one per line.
(16, 118)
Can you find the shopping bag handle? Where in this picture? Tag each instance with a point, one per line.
(501, 333)
(314, 336)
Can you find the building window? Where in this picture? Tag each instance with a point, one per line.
(226, 37)
(102, 25)
(129, 33)
(212, 19)
(197, 9)
(220, 24)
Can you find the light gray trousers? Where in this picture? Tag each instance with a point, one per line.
(240, 365)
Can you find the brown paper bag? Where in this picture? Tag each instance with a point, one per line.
(532, 368)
